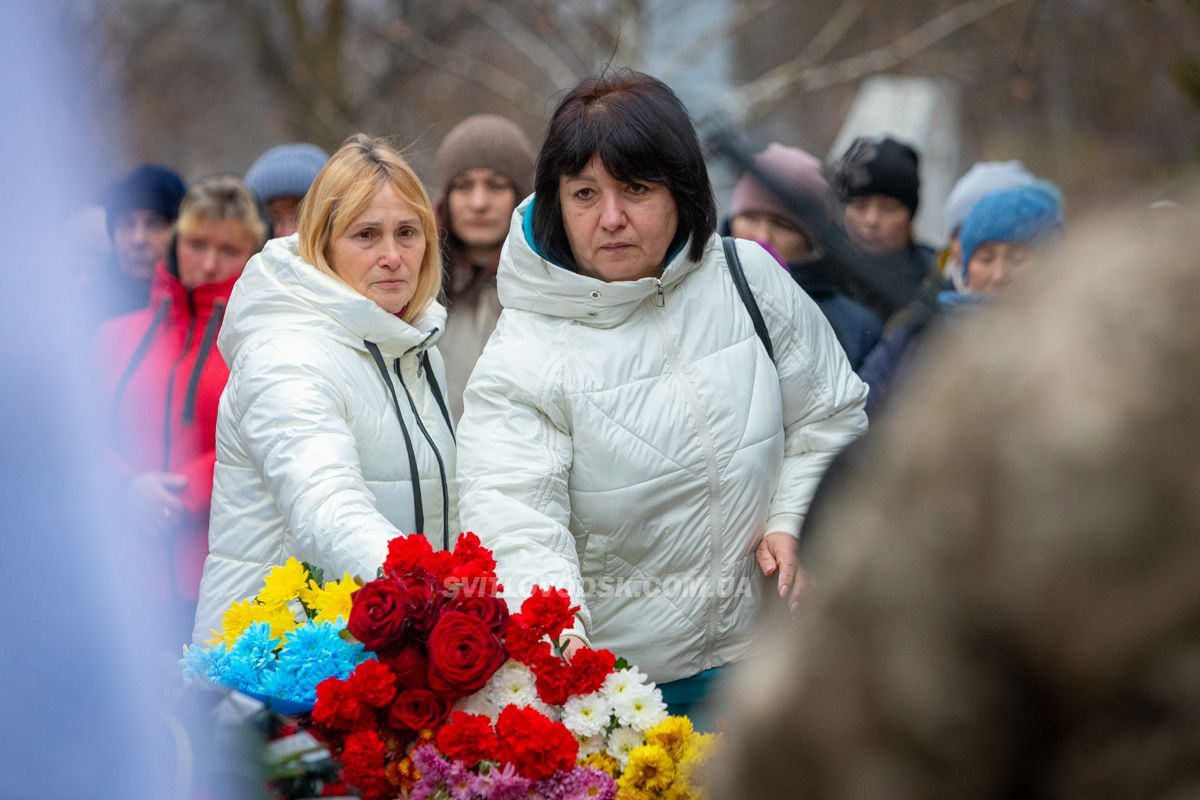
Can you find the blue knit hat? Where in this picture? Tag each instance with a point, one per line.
(1023, 214)
(149, 187)
(982, 179)
(285, 170)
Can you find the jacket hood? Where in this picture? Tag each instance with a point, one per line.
(279, 292)
(527, 281)
(166, 284)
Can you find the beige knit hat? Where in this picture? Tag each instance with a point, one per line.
(486, 141)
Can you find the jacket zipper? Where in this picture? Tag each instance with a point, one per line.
(436, 454)
(714, 512)
(660, 299)
(187, 346)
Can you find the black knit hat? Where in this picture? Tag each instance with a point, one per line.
(148, 187)
(879, 166)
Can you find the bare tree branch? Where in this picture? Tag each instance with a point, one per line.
(741, 16)
(833, 32)
(758, 96)
(524, 41)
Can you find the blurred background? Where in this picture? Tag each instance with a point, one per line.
(1101, 96)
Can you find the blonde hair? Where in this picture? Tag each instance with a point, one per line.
(343, 189)
(222, 198)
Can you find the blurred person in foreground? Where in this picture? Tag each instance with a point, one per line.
(1010, 605)
(800, 241)
(280, 178)
(140, 211)
(982, 179)
(332, 435)
(879, 183)
(625, 422)
(998, 242)
(163, 378)
(484, 167)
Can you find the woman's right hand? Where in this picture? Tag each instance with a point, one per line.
(155, 498)
(570, 644)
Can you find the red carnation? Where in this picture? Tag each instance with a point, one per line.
(406, 553)
(549, 611)
(553, 679)
(473, 561)
(363, 764)
(463, 654)
(338, 708)
(378, 612)
(415, 709)
(589, 668)
(409, 664)
(524, 643)
(491, 610)
(372, 683)
(536, 746)
(468, 738)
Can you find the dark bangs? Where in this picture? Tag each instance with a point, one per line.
(641, 132)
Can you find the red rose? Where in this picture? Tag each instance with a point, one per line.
(338, 708)
(536, 746)
(424, 599)
(372, 683)
(463, 654)
(378, 612)
(548, 611)
(491, 610)
(589, 668)
(468, 738)
(415, 709)
(409, 664)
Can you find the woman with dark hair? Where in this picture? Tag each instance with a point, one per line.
(628, 435)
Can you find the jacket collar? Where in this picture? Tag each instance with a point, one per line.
(166, 286)
(527, 281)
(279, 292)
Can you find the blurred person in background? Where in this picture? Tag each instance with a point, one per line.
(279, 179)
(1009, 605)
(800, 241)
(997, 240)
(983, 178)
(332, 435)
(878, 181)
(164, 377)
(625, 422)
(484, 167)
(140, 210)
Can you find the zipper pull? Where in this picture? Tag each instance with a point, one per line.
(660, 299)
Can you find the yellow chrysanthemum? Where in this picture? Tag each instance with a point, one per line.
(672, 735)
(603, 762)
(234, 622)
(279, 617)
(283, 584)
(650, 769)
(696, 749)
(333, 601)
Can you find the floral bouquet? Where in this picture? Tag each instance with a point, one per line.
(279, 645)
(462, 699)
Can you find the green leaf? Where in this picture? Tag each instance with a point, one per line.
(314, 572)
(621, 664)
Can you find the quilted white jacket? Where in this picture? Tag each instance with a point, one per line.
(312, 461)
(632, 442)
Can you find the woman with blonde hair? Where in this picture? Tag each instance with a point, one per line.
(162, 379)
(333, 435)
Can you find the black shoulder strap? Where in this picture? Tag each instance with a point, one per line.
(743, 287)
(437, 392)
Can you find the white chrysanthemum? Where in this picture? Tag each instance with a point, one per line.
(621, 742)
(587, 714)
(512, 685)
(621, 681)
(478, 703)
(590, 745)
(641, 708)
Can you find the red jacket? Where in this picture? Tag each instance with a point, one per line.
(163, 378)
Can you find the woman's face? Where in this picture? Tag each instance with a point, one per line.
(617, 231)
(379, 255)
(994, 265)
(783, 236)
(481, 201)
(212, 251)
(878, 224)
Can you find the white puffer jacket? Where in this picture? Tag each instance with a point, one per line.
(634, 441)
(312, 461)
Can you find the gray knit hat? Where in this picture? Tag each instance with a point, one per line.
(288, 169)
(486, 141)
